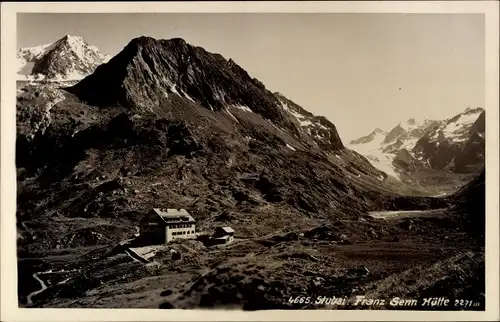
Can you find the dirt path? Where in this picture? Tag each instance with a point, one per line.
(136, 257)
(42, 284)
(388, 215)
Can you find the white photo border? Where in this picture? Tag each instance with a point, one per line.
(9, 301)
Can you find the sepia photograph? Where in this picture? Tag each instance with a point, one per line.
(251, 161)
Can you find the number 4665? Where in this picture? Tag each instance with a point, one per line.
(299, 300)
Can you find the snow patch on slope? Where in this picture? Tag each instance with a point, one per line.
(232, 116)
(303, 120)
(243, 108)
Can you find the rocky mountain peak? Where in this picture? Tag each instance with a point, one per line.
(68, 58)
(162, 76)
(74, 41)
(163, 66)
(146, 42)
(395, 133)
(470, 110)
(370, 138)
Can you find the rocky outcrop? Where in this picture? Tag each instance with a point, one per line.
(319, 128)
(472, 156)
(470, 205)
(404, 160)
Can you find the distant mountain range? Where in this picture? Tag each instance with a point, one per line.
(455, 144)
(69, 58)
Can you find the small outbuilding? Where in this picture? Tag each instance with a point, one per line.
(223, 235)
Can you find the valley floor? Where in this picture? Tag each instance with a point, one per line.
(414, 256)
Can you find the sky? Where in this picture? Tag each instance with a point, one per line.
(360, 70)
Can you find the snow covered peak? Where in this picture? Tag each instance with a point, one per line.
(69, 58)
(74, 40)
(374, 139)
(470, 110)
(80, 47)
(455, 144)
(456, 129)
(404, 135)
(411, 124)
